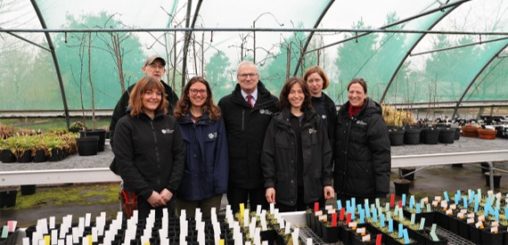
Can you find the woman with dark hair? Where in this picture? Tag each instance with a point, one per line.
(317, 80)
(362, 147)
(149, 152)
(205, 178)
(296, 159)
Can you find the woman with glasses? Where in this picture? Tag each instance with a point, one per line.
(296, 158)
(205, 178)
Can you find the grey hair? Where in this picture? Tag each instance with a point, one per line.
(246, 63)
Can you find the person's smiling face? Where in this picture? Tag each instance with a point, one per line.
(356, 95)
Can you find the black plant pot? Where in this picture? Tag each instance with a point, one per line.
(486, 237)
(497, 180)
(457, 133)
(87, 146)
(8, 198)
(101, 133)
(25, 157)
(463, 228)
(56, 155)
(40, 156)
(412, 136)
(7, 156)
(401, 186)
(28, 190)
(474, 234)
(446, 135)
(329, 234)
(430, 136)
(396, 136)
(403, 173)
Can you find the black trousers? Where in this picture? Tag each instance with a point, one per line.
(249, 197)
(300, 204)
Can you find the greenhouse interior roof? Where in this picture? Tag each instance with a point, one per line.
(59, 54)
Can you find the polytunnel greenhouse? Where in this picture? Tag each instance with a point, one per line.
(66, 56)
(435, 113)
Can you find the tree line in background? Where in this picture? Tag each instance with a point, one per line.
(97, 67)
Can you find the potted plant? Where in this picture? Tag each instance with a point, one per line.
(40, 152)
(6, 155)
(76, 126)
(6, 131)
(88, 144)
(470, 130)
(393, 119)
(446, 135)
(487, 134)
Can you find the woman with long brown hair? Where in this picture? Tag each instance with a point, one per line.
(205, 177)
(149, 152)
(297, 156)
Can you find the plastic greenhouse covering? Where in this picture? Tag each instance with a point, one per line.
(84, 54)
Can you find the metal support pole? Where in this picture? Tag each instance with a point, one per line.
(491, 176)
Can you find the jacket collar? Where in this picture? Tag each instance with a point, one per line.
(263, 98)
(159, 114)
(203, 120)
(283, 116)
(369, 107)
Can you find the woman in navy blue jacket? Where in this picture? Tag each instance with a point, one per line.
(205, 177)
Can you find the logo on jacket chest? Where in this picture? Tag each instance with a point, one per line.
(212, 135)
(167, 131)
(265, 112)
(361, 123)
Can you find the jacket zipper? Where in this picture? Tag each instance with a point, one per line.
(348, 133)
(155, 142)
(243, 119)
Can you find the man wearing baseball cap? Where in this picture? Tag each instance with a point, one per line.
(154, 66)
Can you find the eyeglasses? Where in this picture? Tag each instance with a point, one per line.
(197, 91)
(246, 75)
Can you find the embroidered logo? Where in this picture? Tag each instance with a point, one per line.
(360, 122)
(265, 112)
(312, 131)
(212, 135)
(167, 131)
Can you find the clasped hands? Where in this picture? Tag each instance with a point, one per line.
(328, 192)
(159, 199)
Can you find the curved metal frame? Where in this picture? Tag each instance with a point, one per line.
(55, 61)
(385, 26)
(387, 87)
(188, 35)
(311, 34)
(475, 79)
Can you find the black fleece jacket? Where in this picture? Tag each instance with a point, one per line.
(149, 154)
(362, 152)
(245, 128)
(327, 110)
(280, 152)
